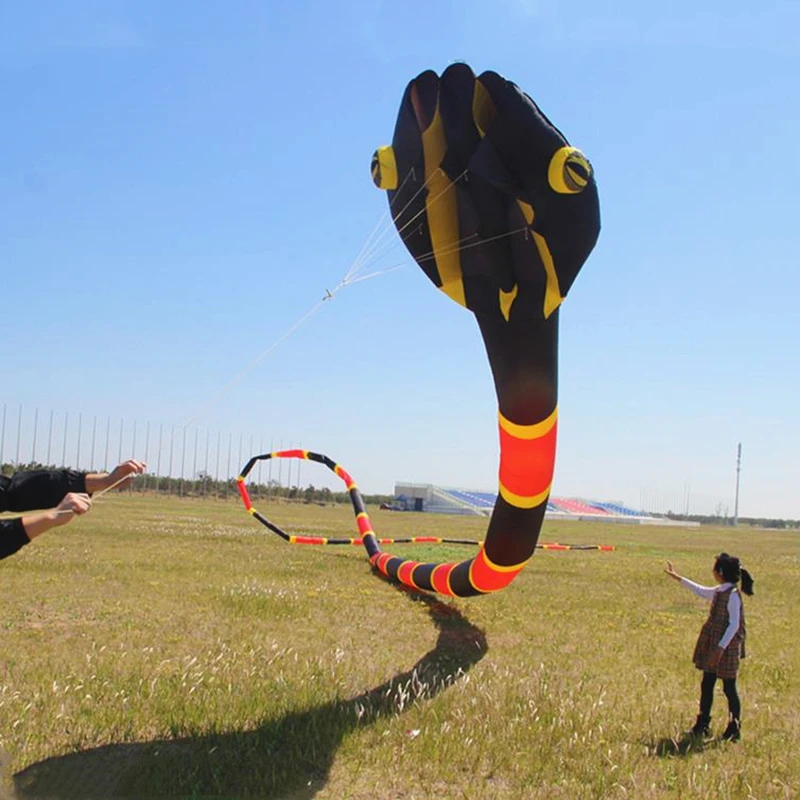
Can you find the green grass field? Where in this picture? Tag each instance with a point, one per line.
(167, 647)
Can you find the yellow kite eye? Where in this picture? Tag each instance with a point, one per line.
(384, 168)
(569, 171)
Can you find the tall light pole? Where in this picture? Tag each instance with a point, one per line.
(738, 470)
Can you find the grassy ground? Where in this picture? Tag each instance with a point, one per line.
(167, 647)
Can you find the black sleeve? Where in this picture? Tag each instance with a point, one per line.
(42, 488)
(12, 536)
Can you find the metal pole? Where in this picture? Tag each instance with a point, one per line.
(108, 436)
(269, 469)
(205, 468)
(183, 460)
(19, 432)
(146, 454)
(216, 468)
(94, 439)
(194, 459)
(49, 439)
(738, 470)
(78, 453)
(133, 452)
(35, 427)
(158, 454)
(64, 446)
(299, 464)
(121, 427)
(260, 463)
(171, 445)
(228, 473)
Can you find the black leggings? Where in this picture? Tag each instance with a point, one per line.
(707, 695)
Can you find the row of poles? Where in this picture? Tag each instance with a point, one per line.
(63, 440)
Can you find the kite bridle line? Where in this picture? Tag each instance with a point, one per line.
(374, 252)
(367, 536)
(366, 257)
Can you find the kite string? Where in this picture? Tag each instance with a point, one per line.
(376, 249)
(95, 495)
(357, 264)
(368, 253)
(371, 255)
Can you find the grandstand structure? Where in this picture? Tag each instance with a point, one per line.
(426, 497)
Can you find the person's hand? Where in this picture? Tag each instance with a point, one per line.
(74, 504)
(714, 658)
(119, 478)
(670, 570)
(123, 475)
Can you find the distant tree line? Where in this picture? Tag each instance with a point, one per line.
(725, 519)
(204, 485)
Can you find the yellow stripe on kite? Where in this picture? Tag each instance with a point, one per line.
(506, 301)
(552, 292)
(535, 431)
(519, 501)
(441, 207)
(499, 568)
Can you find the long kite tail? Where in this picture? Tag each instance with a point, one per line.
(445, 579)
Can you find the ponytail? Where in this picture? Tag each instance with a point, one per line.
(747, 581)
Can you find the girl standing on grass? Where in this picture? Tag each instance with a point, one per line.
(721, 642)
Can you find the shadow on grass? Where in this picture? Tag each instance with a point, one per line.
(687, 745)
(287, 758)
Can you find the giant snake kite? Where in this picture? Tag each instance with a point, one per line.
(500, 212)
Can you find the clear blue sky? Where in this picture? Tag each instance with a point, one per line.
(180, 182)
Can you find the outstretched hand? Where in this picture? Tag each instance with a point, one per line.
(670, 570)
(120, 477)
(124, 474)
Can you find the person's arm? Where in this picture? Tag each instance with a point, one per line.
(46, 488)
(734, 617)
(12, 536)
(16, 533)
(41, 488)
(706, 592)
(118, 479)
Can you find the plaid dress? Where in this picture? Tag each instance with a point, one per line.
(711, 633)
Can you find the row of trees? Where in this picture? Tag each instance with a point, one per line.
(204, 485)
(723, 518)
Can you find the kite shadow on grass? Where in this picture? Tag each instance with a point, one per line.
(289, 757)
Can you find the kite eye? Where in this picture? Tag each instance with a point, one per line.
(384, 168)
(569, 171)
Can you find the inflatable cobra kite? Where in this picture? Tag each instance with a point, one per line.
(500, 212)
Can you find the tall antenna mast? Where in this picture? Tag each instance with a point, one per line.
(738, 470)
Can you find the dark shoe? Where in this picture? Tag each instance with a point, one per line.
(700, 727)
(733, 732)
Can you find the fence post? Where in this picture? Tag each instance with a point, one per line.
(50, 438)
(94, 440)
(64, 444)
(35, 428)
(78, 451)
